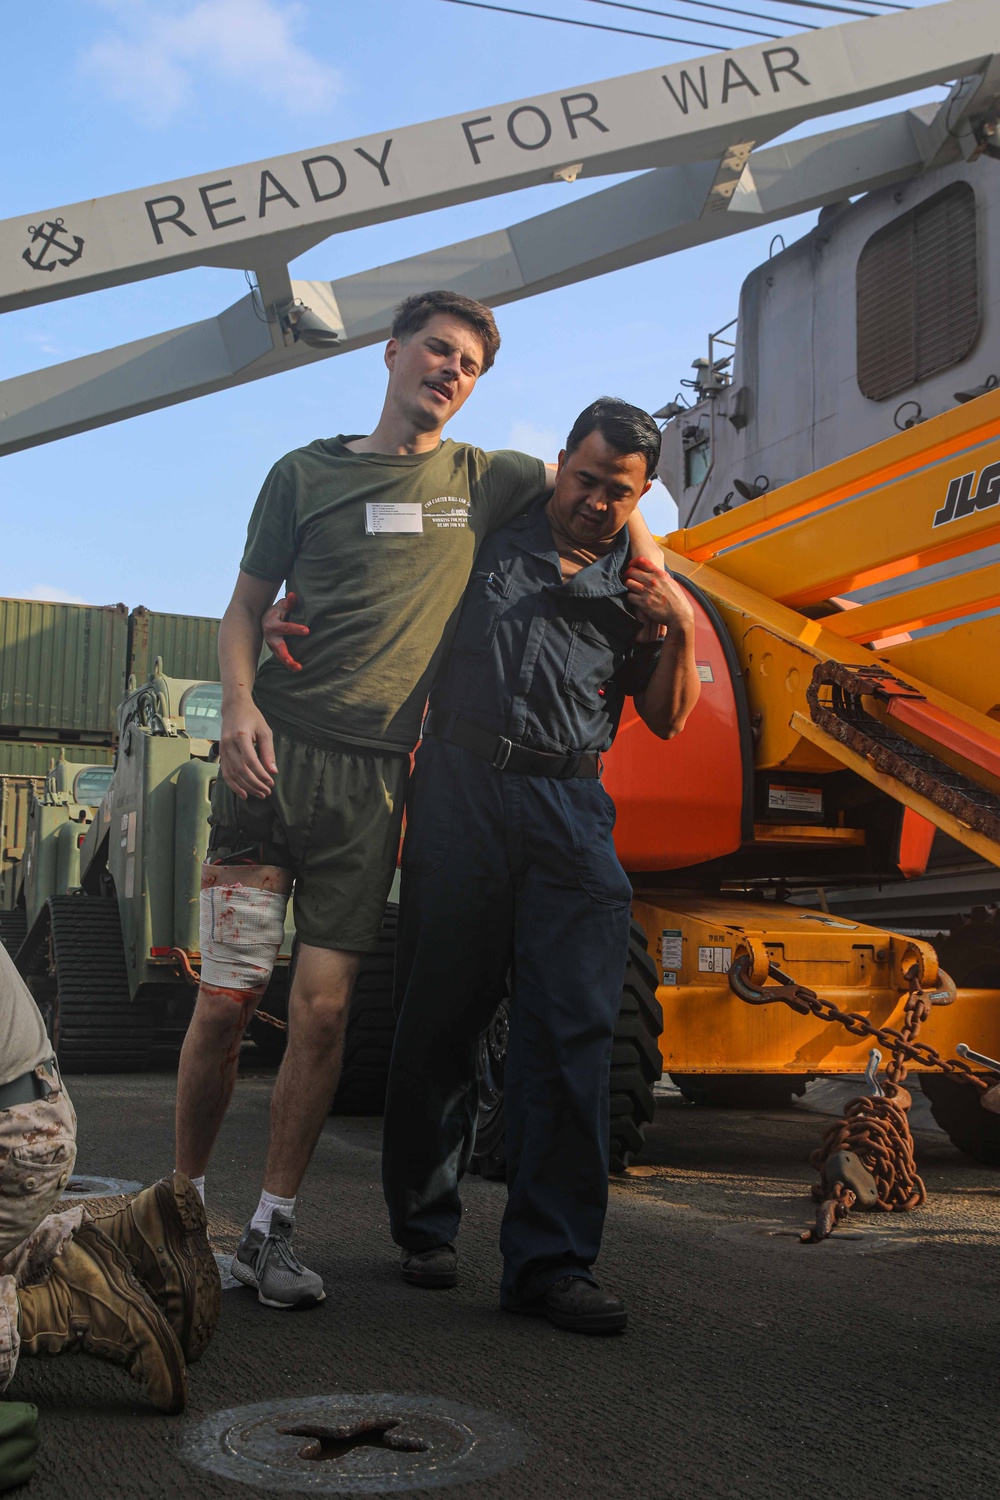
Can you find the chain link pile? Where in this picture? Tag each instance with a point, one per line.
(876, 1130)
(878, 1133)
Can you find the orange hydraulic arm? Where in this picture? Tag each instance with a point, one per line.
(928, 496)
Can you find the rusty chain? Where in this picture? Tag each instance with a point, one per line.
(834, 1208)
(806, 1001)
(877, 1132)
(915, 1013)
(264, 1015)
(873, 1138)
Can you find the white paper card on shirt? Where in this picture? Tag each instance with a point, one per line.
(405, 519)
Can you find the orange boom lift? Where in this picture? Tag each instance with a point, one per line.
(826, 748)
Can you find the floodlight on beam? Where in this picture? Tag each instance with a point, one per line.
(668, 412)
(307, 327)
(748, 490)
(989, 384)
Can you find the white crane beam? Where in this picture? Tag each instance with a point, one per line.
(699, 125)
(271, 211)
(648, 216)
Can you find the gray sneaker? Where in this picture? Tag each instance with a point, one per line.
(267, 1263)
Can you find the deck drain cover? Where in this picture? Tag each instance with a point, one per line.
(80, 1187)
(359, 1445)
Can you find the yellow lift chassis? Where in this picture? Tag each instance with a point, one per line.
(930, 495)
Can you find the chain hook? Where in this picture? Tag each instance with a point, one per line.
(987, 1062)
(871, 1074)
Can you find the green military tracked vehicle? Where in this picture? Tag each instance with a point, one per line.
(110, 895)
(43, 822)
(111, 882)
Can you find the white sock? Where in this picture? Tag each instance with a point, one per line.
(199, 1183)
(267, 1206)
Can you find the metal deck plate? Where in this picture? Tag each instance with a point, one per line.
(85, 1185)
(371, 1444)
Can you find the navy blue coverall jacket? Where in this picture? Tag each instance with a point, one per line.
(511, 874)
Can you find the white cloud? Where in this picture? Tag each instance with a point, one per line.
(163, 52)
(50, 594)
(544, 442)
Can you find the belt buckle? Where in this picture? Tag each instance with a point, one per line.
(502, 755)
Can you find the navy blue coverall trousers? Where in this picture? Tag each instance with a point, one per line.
(513, 874)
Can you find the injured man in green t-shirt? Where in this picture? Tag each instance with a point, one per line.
(376, 538)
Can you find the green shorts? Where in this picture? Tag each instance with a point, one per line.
(333, 820)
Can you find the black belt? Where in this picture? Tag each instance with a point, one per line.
(504, 755)
(27, 1088)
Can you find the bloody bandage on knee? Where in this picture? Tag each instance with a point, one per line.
(241, 932)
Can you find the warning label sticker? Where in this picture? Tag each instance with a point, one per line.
(669, 978)
(714, 960)
(802, 799)
(705, 673)
(671, 949)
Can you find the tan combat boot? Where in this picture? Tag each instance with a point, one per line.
(164, 1233)
(92, 1302)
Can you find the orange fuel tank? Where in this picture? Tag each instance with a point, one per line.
(687, 800)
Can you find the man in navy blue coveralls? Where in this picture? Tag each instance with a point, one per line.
(509, 867)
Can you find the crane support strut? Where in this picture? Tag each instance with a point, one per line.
(698, 132)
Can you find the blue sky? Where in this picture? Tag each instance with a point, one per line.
(104, 95)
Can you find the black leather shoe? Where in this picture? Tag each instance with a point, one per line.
(579, 1306)
(437, 1267)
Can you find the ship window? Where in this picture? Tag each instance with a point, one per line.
(918, 294)
(202, 710)
(90, 785)
(696, 456)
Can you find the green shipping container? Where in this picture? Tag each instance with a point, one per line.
(186, 644)
(62, 668)
(24, 758)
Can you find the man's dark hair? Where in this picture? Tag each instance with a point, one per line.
(626, 428)
(410, 316)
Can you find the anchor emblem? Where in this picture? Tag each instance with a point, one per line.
(48, 234)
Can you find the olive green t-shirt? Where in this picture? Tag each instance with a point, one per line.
(378, 547)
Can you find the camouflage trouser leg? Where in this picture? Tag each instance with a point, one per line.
(37, 1153)
(9, 1341)
(28, 1264)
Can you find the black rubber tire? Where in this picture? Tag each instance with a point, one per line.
(741, 1090)
(636, 1064)
(636, 1067)
(371, 1027)
(99, 1028)
(489, 1157)
(971, 956)
(13, 929)
(171, 1006)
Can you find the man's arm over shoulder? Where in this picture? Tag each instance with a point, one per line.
(504, 483)
(674, 687)
(642, 542)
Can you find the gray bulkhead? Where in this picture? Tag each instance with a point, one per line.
(793, 399)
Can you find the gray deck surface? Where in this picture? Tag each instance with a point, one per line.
(753, 1366)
